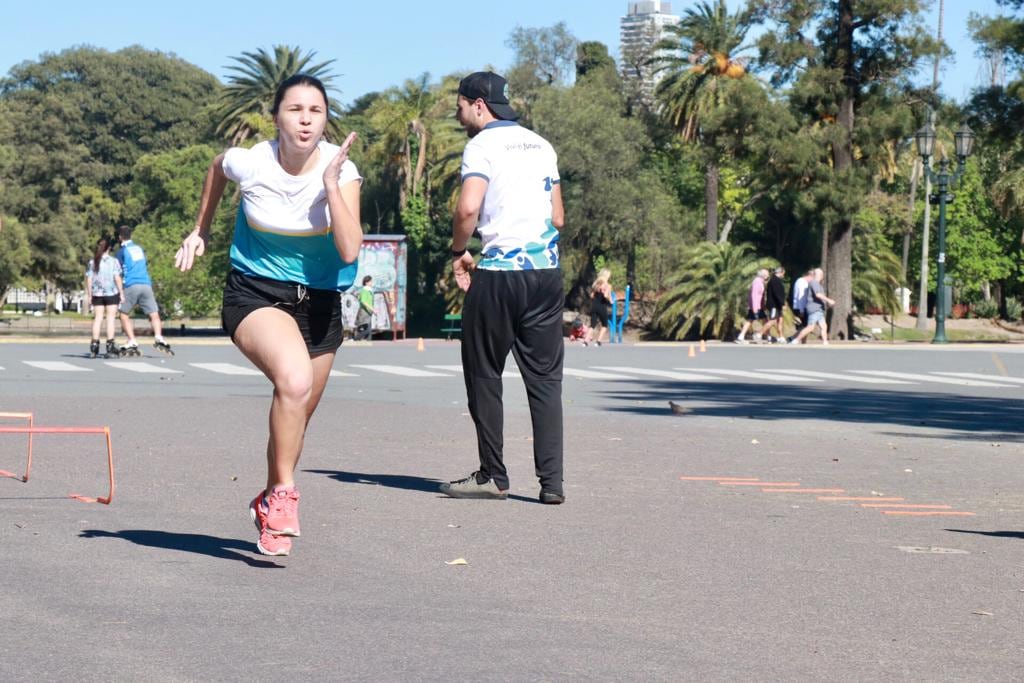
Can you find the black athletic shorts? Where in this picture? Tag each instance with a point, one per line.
(316, 311)
(112, 300)
(600, 314)
(753, 315)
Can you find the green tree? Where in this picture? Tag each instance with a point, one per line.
(592, 55)
(612, 202)
(862, 50)
(244, 107)
(877, 270)
(995, 113)
(700, 67)
(708, 290)
(980, 247)
(403, 123)
(543, 57)
(14, 254)
(78, 120)
(163, 205)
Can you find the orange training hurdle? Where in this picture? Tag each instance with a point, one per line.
(28, 465)
(31, 430)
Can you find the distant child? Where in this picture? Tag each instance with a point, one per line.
(579, 331)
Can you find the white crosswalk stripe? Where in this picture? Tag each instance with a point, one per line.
(598, 372)
(913, 376)
(836, 376)
(667, 374)
(458, 368)
(227, 369)
(401, 370)
(978, 375)
(766, 376)
(141, 367)
(55, 366)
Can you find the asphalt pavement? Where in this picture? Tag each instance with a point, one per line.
(759, 513)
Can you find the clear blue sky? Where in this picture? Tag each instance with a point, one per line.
(376, 43)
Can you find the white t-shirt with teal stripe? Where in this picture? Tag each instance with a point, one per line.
(282, 230)
(520, 168)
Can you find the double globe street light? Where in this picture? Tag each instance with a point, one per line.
(963, 141)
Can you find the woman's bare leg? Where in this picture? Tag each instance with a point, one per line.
(270, 338)
(97, 320)
(111, 313)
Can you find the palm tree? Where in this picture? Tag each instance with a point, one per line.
(876, 273)
(699, 60)
(416, 139)
(244, 107)
(401, 118)
(709, 289)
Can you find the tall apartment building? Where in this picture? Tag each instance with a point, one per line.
(639, 33)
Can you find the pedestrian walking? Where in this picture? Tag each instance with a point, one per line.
(755, 306)
(364, 316)
(511, 195)
(814, 305)
(600, 306)
(296, 241)
(798, 302)
(138, 292)
(104, 283)
(774, 303)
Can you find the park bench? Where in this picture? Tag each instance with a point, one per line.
(452, 324)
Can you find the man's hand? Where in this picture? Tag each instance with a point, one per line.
(463, 266)
(333, 171)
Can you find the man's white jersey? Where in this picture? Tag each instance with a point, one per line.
(520, 168)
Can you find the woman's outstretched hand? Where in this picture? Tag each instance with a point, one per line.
(193, 245)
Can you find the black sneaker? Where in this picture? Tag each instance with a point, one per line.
(470, 488)
(551, 498)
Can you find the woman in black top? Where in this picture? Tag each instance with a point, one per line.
(600, 305)
(775, 299)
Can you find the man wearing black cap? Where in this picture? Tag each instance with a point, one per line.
(511, 196)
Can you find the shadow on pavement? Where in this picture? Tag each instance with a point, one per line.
(1001, 418)
(996, 534)
(201, 544)
(398, 481)
(394, 481)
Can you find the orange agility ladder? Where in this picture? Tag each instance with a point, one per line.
(32, 430)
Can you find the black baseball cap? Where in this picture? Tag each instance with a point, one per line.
(492, 89)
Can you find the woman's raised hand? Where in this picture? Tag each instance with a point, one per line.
(333, 171)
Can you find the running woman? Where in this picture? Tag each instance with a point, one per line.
(296, 240)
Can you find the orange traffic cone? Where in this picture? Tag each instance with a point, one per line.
(692, 352)
(419, 344)
(703, 348)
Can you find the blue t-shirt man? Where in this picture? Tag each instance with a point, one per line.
(138, 292)
(133, 264)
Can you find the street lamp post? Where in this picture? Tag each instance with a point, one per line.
(964, 141)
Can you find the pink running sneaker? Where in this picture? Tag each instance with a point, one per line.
(283, 513)
(268, 543)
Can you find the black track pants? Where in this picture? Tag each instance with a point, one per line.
(518, 311)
